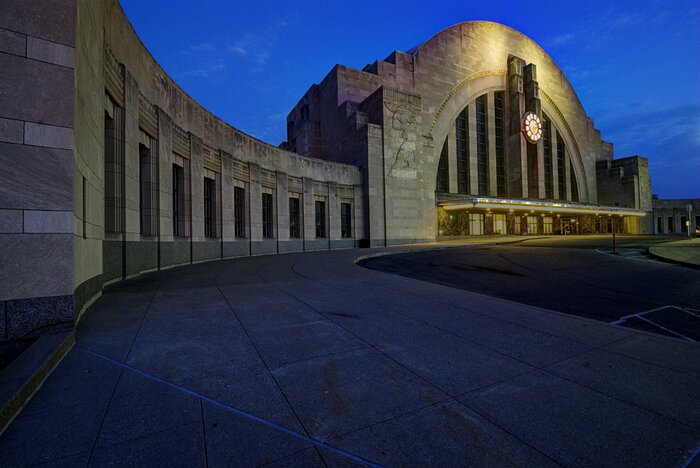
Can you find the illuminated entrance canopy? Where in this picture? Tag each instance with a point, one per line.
(535, 206)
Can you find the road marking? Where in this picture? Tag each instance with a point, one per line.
(622, 319)
(690, 459)
(631, 254)
(639, 315)
(667, 329)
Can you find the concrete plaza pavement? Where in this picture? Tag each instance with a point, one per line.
(311, 360)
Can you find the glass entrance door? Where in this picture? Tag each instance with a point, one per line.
(499, 224)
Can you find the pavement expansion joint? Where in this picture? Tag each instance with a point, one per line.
(224, 406)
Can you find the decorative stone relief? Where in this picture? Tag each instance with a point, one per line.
(403, 117)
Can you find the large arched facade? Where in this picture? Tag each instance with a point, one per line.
(438, 133)
(112, 170)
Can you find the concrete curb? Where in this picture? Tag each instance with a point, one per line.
(27, 373)
(663, 258)
(404, 248)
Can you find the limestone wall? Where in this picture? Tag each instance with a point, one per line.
(37, 223)
(90, 130)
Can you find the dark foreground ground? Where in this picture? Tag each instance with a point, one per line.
(310, 360)
(574, 275)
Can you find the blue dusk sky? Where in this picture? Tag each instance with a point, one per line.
(635, 65)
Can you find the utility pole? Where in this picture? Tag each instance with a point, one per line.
(687, 222)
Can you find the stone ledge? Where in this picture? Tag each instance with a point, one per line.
(24, 376)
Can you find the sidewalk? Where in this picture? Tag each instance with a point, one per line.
(311, 360)
(681, 251)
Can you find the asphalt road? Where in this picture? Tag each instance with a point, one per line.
(575, 275)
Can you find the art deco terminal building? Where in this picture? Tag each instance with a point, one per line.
(111, 170)
(475, 131)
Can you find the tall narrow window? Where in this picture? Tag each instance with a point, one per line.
(145, 181)
(290, 130)
(294, 225)
(574, 185)
(209, 189)
(345, 220)
(482, 159)
(533, 186)
(670, 224)
(320, 218)
(561, 154)
(84, 208)
(547, 149)
(441, 184)
(267, 215)
(500, 147)
(178, 201)
(462, 137)
(113, 168)
(659, 225)
(239, 212)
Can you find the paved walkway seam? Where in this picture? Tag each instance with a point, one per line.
(316, 443)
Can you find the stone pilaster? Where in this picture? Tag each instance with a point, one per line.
(255, 203)
(516, 152)
(308, 211)
(227, 209)
(131, 158)
(165, 176)
(358, 220)
(282, 211)
(333, 212)
(536, 156)
(197, 188)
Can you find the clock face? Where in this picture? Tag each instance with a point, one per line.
(532, 127)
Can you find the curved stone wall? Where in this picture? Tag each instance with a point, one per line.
(112, 170)
(111, 60)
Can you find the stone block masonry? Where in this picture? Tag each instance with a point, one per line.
(37, 220)
(91, 129)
